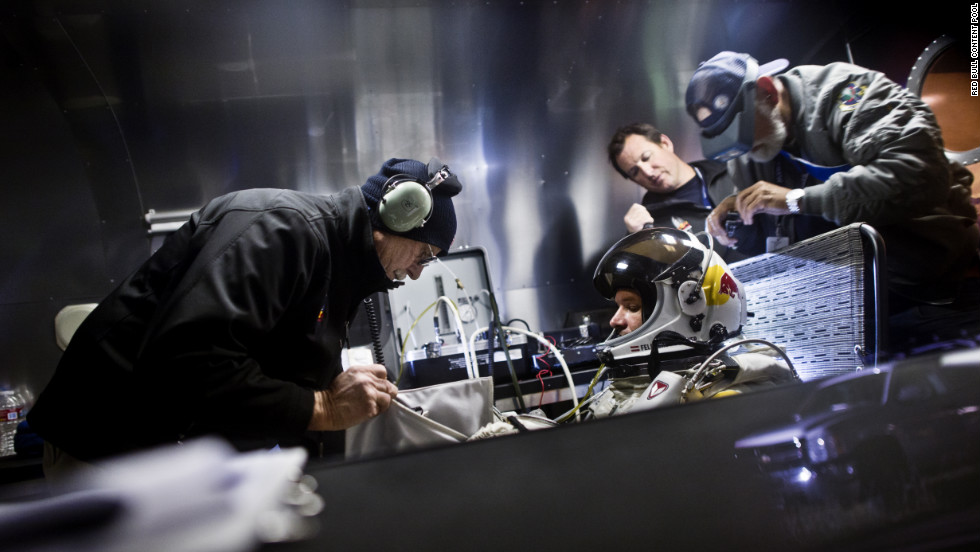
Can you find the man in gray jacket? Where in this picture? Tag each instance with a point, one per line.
(845, 144)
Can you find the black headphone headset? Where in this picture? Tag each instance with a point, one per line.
(406, 202)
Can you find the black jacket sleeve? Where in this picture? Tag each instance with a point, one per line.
(253, 272)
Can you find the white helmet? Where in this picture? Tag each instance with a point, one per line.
(690, 297)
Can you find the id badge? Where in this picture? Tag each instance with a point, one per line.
(775, 243)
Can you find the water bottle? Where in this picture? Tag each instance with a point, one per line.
(26, 397)
(10, 408)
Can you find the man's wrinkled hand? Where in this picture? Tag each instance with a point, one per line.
(761, 197)
(358, 394)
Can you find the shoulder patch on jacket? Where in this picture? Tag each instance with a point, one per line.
(851, 96)
(680, 223)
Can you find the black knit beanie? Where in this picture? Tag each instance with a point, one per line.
(440, 229)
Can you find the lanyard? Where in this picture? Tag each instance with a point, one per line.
(819, 172)
(704, 189)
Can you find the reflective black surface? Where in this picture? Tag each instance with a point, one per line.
(878, 447)
(689, 477)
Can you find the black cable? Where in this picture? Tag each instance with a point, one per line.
(374, 326)
(521, 428)
(512, 320)
(665, 339)
(503, 342)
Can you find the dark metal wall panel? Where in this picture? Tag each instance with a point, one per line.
(52, 235)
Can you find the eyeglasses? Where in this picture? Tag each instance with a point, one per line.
(423, 260)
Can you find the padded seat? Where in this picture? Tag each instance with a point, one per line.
(821, 299)
(68, 320)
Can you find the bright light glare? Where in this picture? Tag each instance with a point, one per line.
(804, 475)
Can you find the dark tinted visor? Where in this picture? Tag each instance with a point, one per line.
(644, 257)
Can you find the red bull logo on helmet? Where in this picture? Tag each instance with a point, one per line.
(657, 388)
(727, 286)
(719, 286)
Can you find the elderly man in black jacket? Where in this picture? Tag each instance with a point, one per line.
(235, 326)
